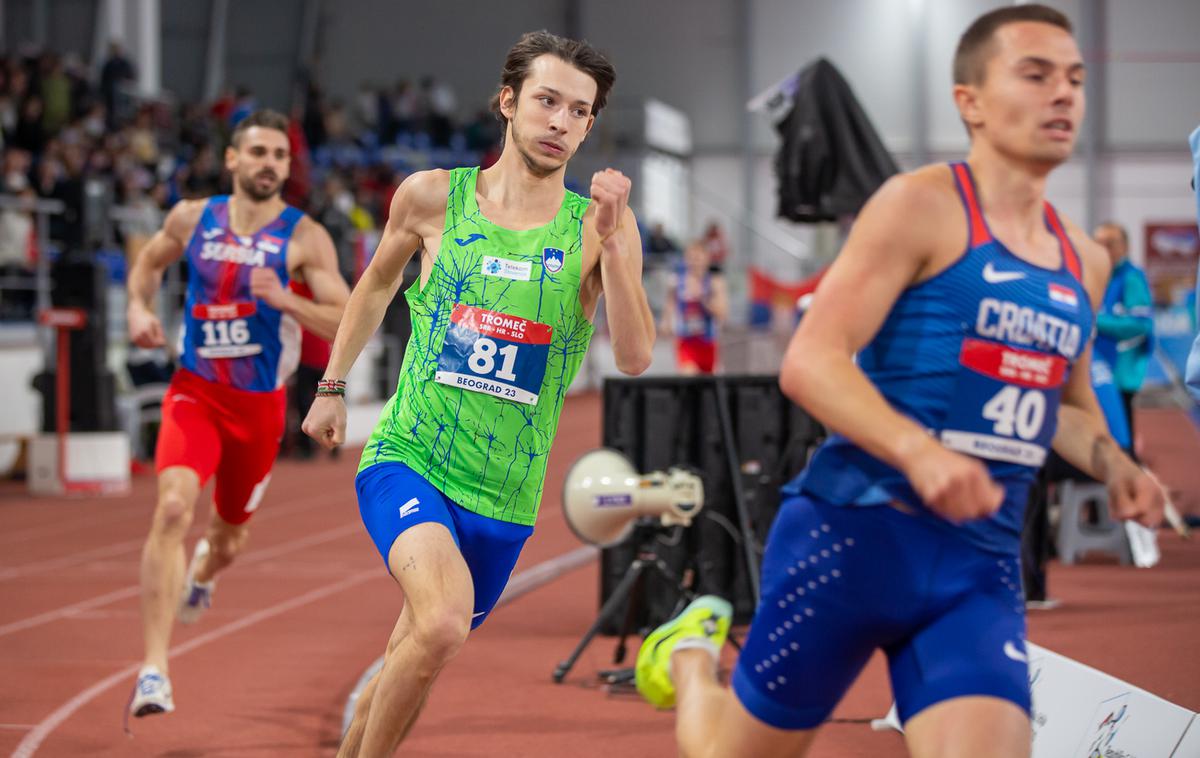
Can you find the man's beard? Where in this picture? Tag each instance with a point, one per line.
(249, 185)
(538, 169)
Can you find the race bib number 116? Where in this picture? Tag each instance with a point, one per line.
(494, 353)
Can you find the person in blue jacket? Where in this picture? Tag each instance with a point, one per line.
(1124, 333)
(1193, 363)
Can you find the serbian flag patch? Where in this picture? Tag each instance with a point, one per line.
(1064, 297)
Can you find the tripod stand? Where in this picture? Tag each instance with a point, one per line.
(647, 559)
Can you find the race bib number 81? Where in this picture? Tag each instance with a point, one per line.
(494, 353)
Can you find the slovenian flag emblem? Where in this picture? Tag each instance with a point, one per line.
(1063, 296)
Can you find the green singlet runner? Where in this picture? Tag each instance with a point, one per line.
(498, 335)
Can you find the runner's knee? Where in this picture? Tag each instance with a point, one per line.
(226, 545)
(440, 634)
(174, 512)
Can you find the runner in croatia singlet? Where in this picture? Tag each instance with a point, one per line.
(978, 355)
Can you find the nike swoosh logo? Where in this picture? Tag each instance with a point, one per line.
(1012, 652)
(477, 615)
(475, 237)
(992, 276)
(659, 644)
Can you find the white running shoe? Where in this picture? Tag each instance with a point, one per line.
(151, 694)
(197, 596)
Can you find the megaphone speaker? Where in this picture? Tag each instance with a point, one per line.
(604, 496)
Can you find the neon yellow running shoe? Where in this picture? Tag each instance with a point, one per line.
(704, 624)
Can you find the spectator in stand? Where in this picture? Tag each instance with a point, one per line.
(202, 176)
(195, 128)
(29, 134)
(298, 188)
(114, 74)
(244, 104)
(408, 107)
(366, 108)
(18, 252)
(442, 105)
(333, 212)
(143, 138)
(314, 357)
(483, 132)
(56, 94)
(658, 243)
(1124, 326)
(1192, 372)
(717, 244)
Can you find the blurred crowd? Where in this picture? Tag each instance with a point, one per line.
(66, 130)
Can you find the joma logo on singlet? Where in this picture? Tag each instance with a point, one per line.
(1008, 322)
(221, 251)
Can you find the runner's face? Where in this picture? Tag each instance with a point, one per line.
(552, 115)
(260, 162)
(696, 257)
(1030, 104)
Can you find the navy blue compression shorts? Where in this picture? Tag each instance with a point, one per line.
(393, 498)
(841, 582)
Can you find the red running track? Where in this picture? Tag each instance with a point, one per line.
(309, 607)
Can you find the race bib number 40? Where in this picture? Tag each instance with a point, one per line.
(1005, 403)
(494, 353)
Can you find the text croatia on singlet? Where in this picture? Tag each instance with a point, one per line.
(1006, 321)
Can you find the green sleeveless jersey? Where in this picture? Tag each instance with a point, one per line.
(497, 336)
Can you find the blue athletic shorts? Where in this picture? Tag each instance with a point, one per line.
(392, 498)
(840, 582)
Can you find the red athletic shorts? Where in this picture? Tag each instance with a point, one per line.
(214, 429)
(698, 352)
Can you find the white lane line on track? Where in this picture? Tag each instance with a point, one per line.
(28, 746)
(76, 523)
(319, 500)
(265, 554)
(66, 561)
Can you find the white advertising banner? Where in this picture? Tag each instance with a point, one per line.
(1080, 712)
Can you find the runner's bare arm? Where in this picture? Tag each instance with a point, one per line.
(619, 272)
(145, 277)
(316, 266)
(670, 306)
(718, 299)
(1082, 437)
(893, 237)
(892, 242)
(419, 200)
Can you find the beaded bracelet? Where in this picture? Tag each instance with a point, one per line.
(331, 388)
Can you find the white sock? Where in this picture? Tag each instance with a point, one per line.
(693, 643)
